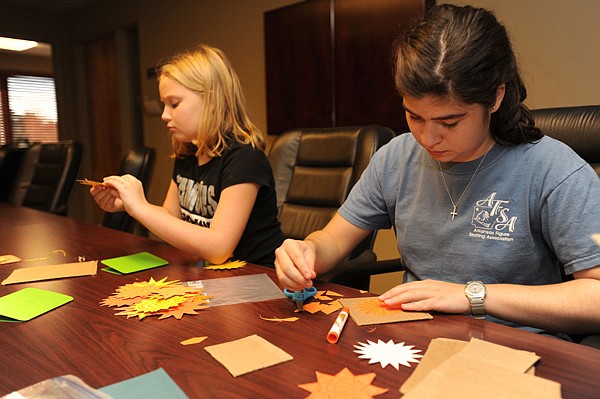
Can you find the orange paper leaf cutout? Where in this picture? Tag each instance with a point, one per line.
(278, 319)
(343, 385)
(312, 307)
(187, 307)
(331, 307)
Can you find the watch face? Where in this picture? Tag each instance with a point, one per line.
(474, 288)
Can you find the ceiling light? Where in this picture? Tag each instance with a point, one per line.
(7, 43)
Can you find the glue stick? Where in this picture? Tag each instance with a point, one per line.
(336, 330)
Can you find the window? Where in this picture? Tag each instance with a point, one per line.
(27, 109)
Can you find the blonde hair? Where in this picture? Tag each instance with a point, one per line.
(207, 71)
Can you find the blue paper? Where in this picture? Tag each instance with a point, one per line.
(155, 384)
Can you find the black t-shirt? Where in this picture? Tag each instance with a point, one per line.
(199, 189)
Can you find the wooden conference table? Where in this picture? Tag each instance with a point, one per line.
(87, 340)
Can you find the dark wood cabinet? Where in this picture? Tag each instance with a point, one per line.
(328, 63)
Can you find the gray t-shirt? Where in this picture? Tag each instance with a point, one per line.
(530, 209)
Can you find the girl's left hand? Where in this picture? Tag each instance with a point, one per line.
(131, 191)
(428, 295)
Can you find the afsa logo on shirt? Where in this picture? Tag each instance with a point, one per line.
(492, 214)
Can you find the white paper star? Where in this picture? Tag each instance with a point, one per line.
(388, 353)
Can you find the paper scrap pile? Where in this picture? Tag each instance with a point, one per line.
(157, 298)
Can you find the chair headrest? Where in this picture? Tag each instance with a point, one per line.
(578, 127)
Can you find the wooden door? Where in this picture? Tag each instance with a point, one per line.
(105, 147)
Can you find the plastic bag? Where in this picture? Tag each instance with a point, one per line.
(238, 289)
(64, 387)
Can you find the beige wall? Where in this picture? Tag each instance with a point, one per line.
(557, 43)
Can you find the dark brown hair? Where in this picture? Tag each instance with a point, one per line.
(465, 53)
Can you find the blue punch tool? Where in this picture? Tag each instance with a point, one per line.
(298, 297)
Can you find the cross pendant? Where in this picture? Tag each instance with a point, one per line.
(453, 213)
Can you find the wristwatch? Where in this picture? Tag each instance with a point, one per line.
(475, 292)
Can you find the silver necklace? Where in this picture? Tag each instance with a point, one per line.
(455, 204)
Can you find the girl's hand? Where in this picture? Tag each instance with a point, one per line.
(295, 264)
(107, 198)
(428, 295)
(129, 191)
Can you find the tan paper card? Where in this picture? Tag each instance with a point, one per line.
(498, 355)
(457, 378)
(38, 273)
(248, 354)
(440, 349)
(6, 259)
(369, 310)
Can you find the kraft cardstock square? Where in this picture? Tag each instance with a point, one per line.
(248, 354)
(369, 310)
(49, 272)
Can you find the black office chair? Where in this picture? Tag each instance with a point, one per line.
(46, 176)
(138, 162)
(10, 161)
(315, 169)
(578, 127)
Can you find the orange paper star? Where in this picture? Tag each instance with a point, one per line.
(343, 385)
(376, 307)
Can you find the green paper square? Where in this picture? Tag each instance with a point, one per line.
(28, 303)
(134, 263)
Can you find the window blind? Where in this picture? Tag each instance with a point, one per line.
(32, 107)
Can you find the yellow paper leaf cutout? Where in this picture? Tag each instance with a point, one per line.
(276, 319)
(193, 340)
(333, 293)
(156, 304)
(236, 264)
(118, 301)
(131, 312)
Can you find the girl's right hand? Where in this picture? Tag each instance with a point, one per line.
(107, 198)
(295, 264)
